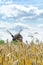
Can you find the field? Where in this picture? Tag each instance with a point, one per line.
(19, 53)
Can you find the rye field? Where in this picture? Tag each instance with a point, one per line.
(19, 53)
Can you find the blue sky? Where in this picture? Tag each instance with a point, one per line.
(25, 14)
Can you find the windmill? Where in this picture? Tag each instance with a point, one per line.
(17, 36)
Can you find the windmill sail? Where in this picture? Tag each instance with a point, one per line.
(16, 36)
(10, 33)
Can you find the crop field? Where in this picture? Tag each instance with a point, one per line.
(19, 53)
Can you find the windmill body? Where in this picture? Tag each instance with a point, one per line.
(16, 36)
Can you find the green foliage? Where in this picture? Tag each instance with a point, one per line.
(1, 42)
(15, 42)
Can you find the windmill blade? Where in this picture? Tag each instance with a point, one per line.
(10, 33)
(20, 31)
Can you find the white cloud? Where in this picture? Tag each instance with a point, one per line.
(12, 25)
(11, 10)
(4, 35)
(5, 25)
(8, 11)
(40, 25)
(5, 1)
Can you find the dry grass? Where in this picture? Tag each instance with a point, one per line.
(21, 54)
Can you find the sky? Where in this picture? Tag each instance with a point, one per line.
(25, 14)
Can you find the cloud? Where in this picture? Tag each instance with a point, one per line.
(40, 25)
(14, 15)
(14, 10)
(4, 26)
(12, 25)
(27, 30)
(5, 1)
